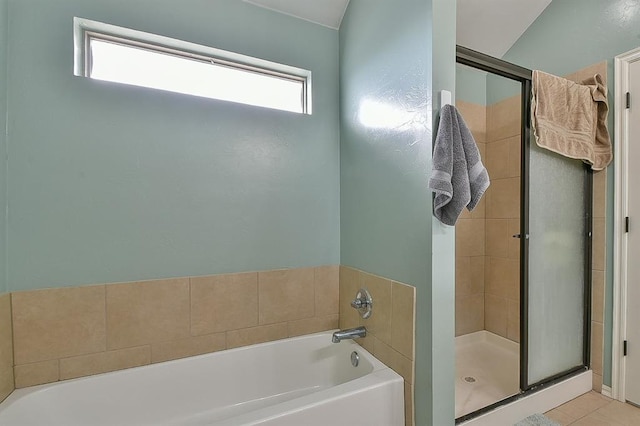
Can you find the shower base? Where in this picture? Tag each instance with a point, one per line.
(487, 370)
(493, 362)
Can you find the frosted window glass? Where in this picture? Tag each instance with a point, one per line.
(556, 264)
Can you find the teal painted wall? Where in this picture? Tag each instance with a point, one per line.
(570, 35)
(117, 183)
(4, 24)
(385, 80)
(388, 82)
(471, 85)
(483, 88)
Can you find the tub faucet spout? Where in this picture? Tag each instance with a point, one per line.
(350, 333)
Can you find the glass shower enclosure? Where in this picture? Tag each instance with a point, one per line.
(555, 250)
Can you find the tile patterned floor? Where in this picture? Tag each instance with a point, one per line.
(594, 409)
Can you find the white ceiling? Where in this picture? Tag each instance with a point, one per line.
(493, 26)
(488, 26)
(324, 12)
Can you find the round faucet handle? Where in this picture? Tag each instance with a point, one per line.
(363, 303)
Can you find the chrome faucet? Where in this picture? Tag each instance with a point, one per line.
(350, 333)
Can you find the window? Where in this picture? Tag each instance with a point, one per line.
(110, 53)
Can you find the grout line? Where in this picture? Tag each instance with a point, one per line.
(315, 284)
(258, 298)
(13, 341)
(106, 319)
(190, 304)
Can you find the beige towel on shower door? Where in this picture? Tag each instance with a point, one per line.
(571, 119)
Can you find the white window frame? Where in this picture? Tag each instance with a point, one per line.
(84, 30)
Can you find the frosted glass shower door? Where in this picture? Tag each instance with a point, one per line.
(558, 241)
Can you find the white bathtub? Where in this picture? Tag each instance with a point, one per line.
(300, 381)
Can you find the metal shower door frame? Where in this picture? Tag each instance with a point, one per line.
(522, 75)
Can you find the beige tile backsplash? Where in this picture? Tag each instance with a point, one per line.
(391, 328)
(190, 346)
(402, 309)
(311, 325)
(328, 292)
(58, 323)
(147, 312)
(66, 333)
(103, 362)
(224, 302)
(379, 325)
(6, 347)
(254, 335)
(37, 373)
(281, 295)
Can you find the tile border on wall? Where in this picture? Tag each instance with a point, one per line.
(72, 332)
(6, 347)
(391, 328)
(192, 308)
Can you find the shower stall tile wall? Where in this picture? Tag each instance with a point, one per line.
(6, 347)
(487, 255)
(502, 260)
(67, 333)
(391, 327)
(470, 239)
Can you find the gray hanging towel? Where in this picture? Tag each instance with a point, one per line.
(458, 178)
